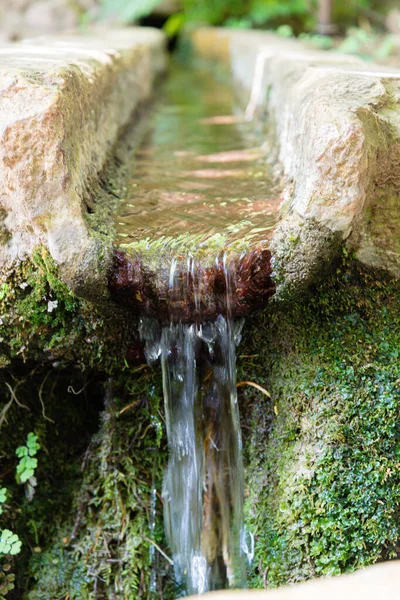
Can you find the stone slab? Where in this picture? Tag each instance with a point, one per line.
(376, 582)
(333, 127)
(63, 102)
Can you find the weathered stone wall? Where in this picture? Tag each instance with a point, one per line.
(64, 102)
(21, 19)
(333, 124)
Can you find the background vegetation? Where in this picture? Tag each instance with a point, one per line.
(300, 15)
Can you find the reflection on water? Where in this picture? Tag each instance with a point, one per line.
(200, 179)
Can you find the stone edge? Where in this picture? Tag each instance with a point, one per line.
(86, 89)
(333, 130)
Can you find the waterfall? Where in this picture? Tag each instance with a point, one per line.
(203, 483)
(193, 252)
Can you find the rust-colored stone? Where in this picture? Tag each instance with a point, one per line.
(133, 286)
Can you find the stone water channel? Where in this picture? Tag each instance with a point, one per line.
(325, 352)
(193, 255)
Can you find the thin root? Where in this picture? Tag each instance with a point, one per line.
(255, 385)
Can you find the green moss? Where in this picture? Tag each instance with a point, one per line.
(42, 320)
(105, 496)
(44, 402)
(324, 455)
(103, 550)
(86, 532)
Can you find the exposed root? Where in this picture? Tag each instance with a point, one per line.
(255, 385)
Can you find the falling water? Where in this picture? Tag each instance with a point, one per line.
(203, 484)
(198, 214)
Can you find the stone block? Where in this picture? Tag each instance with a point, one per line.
(63, 103)
(333, 127)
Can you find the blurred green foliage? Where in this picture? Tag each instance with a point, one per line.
(301, 15)
(127, 10)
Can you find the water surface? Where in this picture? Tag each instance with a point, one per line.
(200, 182)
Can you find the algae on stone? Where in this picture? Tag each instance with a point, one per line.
(323, 472)
(93, 525)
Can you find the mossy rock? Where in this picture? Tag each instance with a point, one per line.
(323, 455)
(42, 320)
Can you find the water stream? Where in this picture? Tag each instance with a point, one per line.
(200, 202)
(203, 485)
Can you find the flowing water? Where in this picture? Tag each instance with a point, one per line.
(203, 486)
(201, 199)
(200, 180)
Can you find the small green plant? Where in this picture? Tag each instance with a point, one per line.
(27, 464)
(10, 544)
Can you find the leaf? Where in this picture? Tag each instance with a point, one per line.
(26, 475)
(6, 535)
(16, 548)
(32, 439)
(27, 465)
(255, 385)
(9, 543)
(27, 462)
(21, 451)
(3, 495)
(174, 24)
(32, 443)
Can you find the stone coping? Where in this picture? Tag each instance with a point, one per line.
(64, 100)
(374, 583)
(333, 131)
(333, 127)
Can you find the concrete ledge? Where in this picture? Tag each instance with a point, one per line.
(333, 125)
(380, 582)
(63, 102)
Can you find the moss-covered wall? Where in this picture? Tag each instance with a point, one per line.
(68, 369)
(92, 528)
(323, 455)
(42, 320)
(106, 546)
